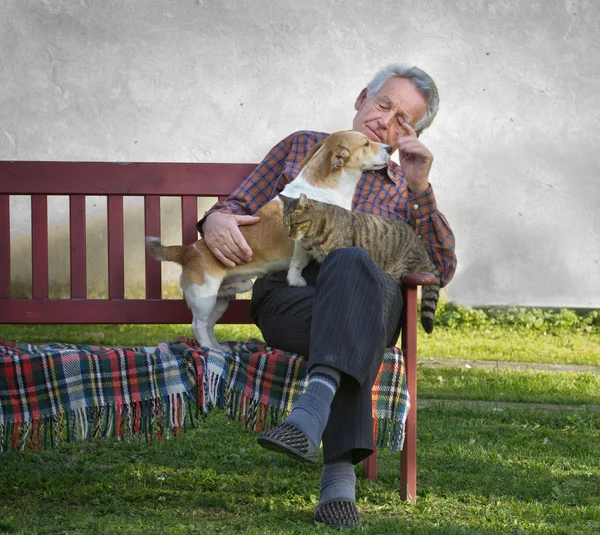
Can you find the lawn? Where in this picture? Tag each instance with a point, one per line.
(523, 386)
(506, 471)
(517, 345)
(520, 470)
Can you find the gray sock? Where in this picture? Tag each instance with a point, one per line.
(338, 481)
(311, 412)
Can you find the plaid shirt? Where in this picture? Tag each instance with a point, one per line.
(382, 192)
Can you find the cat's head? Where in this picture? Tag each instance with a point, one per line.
(297, 215)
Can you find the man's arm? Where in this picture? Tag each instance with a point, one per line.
(219, 226)
(435, 233)
(429, 223)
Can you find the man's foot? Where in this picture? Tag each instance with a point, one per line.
(287, 439)
(337, 501)
(300, 435)
(337, 514)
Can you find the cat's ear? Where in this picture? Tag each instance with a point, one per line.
(340, 157)
(303, 202)
(285, 200)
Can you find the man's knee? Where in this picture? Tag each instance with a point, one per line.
(350, 265)
(347, 258)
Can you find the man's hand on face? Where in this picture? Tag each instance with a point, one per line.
(415, 160)
(224, 239)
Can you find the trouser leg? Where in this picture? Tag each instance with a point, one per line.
(344, 321)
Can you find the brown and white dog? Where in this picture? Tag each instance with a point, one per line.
(330, 173)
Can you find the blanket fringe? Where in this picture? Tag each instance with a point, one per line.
(219, 382)
(140, 421)
(252, 413)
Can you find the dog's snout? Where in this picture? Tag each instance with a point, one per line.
(388, 149)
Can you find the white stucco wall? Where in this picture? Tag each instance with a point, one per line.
(516, 140)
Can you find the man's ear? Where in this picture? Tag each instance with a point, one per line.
(361, 98)
(340, 156)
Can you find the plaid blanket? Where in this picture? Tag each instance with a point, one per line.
(55, 392)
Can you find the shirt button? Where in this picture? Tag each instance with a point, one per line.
(416, 207)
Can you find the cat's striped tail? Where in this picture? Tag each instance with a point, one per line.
(429, 300)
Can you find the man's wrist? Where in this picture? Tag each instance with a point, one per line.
(418, 189)
(200, 223)
(423, 204)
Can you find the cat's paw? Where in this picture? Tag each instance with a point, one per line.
(296, 280)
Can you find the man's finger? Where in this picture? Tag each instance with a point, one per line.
(222, 258)
(240, 246)
(409, 145)
(224, 249)
(246, 219)
(409, 130)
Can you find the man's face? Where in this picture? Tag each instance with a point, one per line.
(381, 116)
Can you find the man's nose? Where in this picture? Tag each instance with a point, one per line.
(386, 119)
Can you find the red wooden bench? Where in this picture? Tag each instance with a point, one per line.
(150, 180)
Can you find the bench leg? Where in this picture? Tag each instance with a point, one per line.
(370, 466)
(408, 456)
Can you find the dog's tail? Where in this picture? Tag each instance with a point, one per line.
(171, 253)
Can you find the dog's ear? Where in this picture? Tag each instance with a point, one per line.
(311, 153)
(340, 157)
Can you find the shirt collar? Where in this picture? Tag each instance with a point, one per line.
(394, 173)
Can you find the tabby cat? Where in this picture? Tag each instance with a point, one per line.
(320, 228)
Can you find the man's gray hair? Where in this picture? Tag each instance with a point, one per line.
(422, 81)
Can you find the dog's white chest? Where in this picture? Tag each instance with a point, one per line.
(341, 196)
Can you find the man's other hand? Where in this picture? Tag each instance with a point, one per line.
(224, 239)
(415, 160)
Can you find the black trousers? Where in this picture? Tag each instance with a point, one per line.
(344, 318)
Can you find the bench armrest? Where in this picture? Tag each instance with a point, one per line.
(413, 280)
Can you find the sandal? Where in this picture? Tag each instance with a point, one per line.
(285, 438)
(337, 514)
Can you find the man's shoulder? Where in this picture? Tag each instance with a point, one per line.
(307, 136)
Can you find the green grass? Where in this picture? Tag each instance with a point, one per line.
(517, 345)
(509, 471)
(481, 472)
(462, 342)
(121, 335)
(506, 385)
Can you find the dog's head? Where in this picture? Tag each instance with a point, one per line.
(346, 150)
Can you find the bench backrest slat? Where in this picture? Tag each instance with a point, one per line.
(77, 233)
(189, 217)
(116, 247)
(4, 246)
(39, 246)
(152, 228)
